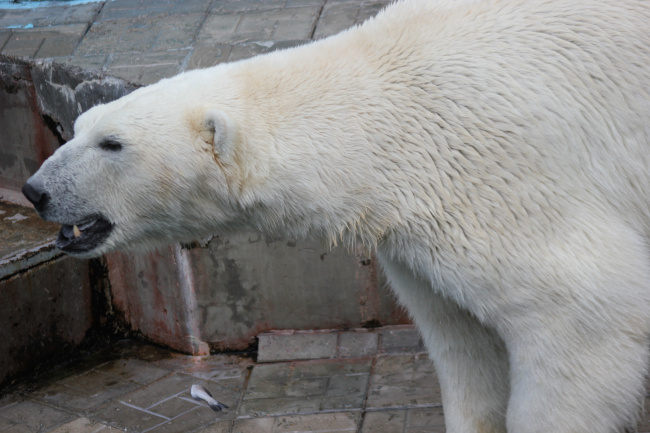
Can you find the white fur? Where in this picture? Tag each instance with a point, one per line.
(495, 154)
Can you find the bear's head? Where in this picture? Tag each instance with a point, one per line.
(143, 170)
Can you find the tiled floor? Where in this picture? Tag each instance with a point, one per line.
(364, 381)
(378, 381)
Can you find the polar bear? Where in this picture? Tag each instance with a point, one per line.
(494, 154)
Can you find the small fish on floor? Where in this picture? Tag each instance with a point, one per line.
(200, 393)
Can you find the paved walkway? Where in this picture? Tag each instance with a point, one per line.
(368, 381)
(143, 41)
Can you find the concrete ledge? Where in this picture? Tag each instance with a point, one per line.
(25, 259)
(25, 239)
(296, 345)
(278, 346)
(46, 312)
(47, 307)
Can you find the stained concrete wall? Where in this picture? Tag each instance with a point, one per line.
(45, 312)
(246, 284)
(194, 298)
(46, 308)
(25, 140)
(226, 292)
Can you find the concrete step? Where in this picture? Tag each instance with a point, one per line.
(46, 308)
(25, 239)
(297, 345)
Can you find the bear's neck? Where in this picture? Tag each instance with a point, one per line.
(315, 119)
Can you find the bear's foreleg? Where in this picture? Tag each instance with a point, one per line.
(578, 343)
(472, 365)
(470, 359)
(562, 385)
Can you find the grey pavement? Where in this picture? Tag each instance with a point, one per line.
(143, 41)
(366, 381)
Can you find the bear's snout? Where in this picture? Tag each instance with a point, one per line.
(36, 195)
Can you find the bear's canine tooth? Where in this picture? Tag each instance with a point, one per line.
(75, 231)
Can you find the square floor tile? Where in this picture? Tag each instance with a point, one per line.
(35, 415)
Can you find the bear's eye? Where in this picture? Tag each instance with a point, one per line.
(110, 144)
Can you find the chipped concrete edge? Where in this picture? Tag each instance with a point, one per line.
(28, 258)
(65, 91)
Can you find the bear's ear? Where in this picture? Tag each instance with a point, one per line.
(220, 130)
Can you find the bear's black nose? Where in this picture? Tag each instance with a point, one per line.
(37, 196)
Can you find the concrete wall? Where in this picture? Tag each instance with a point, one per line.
(225, 293)
(46, 308)
(45, 312)
(25, 140)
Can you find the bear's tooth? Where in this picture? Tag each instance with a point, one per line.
(75, 231)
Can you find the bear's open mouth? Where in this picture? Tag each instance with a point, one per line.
(85, 236)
